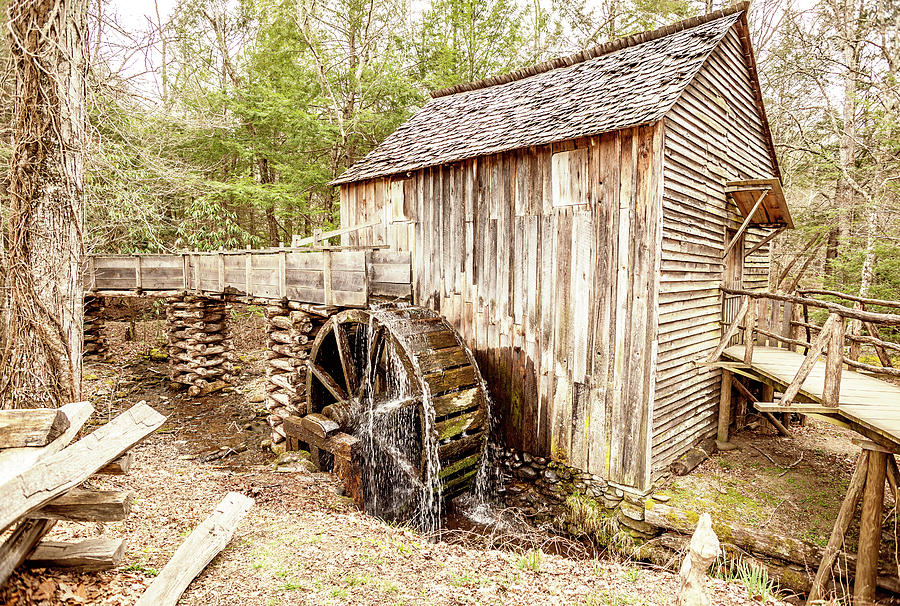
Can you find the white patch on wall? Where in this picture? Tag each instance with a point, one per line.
(570, 182)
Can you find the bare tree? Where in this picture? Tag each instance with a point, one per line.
(41, 361)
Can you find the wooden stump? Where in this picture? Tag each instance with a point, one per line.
(702, 551)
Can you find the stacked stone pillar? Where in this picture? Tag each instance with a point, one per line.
(289, 336)
(200, 346)
(95, 345)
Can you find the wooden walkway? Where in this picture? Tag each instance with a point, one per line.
(865, 402)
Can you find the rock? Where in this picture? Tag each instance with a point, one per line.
(636, 525)
(540, 460)
(550, 476)
(279, 448)
(618, 492)
(256, 397)
(608, 501)
(526, 472)
(309, 466)
(661, 497)
(632, 511)
(527, 458)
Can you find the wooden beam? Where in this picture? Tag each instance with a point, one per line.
(749, 329)
(58, 473)
(841, 524)
(31, 426)
(808, 362)
(91, 554)
(14, 461)
(831, 392)
(732, 330)
(847, 312)
(724, 408)
(746, 223)
(118, 467)
(79, 505)
(298, 242)
(870, 530)
(764, 241)
(203, 544)
(20, 543)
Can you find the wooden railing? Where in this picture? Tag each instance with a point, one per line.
(774, 319)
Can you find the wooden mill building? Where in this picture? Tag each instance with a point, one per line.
(574, 220)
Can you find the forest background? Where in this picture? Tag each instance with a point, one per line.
(219, 123)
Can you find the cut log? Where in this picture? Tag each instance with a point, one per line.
(204, 543)
(31, 426)
(119, 467)
(87, 506)
(692, 458)
(58, 473)
(14, 461)
(91, 554)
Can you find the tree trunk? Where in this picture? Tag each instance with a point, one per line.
(41, 361)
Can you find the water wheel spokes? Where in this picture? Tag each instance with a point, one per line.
(401, 382)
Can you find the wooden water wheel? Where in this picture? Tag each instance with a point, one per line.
(386, 376)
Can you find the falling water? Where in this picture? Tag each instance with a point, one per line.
(400, 440)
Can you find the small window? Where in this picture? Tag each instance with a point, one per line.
(570, 169)
(397, 207)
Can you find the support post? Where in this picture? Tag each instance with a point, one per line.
(724, 410)
(841, 524)
(870, 530)
(834, 361)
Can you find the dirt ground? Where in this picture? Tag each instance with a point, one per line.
(304, 543)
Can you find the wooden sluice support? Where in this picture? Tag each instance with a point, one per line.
(200, 347)
(95, 345)
(289, 336)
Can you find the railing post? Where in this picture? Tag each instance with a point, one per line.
(749, 329)
(834, 362)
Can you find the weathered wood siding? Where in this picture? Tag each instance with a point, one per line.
(713, 134)
(551, 281)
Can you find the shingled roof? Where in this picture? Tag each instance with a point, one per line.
(624, 83)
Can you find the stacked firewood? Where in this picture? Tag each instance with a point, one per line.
(42, 475)
(290, 334)
(95, 346)
(200, 347)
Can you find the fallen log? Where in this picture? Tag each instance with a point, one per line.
(58, 473)
(91, 554)
(87, 506)
(203, 544)
(31, 426)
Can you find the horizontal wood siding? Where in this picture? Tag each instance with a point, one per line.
(558, 302)
(714, 133)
